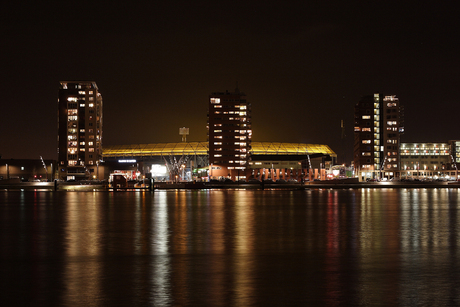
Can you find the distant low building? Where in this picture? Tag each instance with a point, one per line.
(27, 169)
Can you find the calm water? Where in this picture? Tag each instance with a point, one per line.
(364, 247)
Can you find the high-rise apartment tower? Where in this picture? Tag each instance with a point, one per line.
(379, 123)
(79, 130)
(229, 134)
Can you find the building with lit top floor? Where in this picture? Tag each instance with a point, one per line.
(229, 134)
(79, 130)
(379, 123)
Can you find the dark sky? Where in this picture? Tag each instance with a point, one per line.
(303, 66)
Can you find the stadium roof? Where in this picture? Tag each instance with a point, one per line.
(277, 148)
(201, 148)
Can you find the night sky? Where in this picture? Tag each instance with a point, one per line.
(302, 65)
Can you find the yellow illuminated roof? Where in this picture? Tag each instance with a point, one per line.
(277, 148)
(156, 149)
(201, 148)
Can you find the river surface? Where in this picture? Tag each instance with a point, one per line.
(351, 247)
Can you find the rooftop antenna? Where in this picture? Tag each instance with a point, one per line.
(184, 132)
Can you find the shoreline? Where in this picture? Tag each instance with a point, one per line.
(50, 186)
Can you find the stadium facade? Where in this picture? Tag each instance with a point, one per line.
(188, 161)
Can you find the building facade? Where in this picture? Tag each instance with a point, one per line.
(429, 160)
(379, 123)
(27, 170)
(229, 134)
(79, 130)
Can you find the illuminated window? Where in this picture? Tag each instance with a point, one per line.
(217, 143)
(91, 105)
(217, 106)
(90, 143)
(90, 92)
(74, 99)
(91, 149)
(217, 130)
(217, 156)
(215, 100)
(91, 98)
(366, 141)
(366, 117)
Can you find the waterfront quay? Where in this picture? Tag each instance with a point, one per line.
(326, 184)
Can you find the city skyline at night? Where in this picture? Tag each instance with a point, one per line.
(303, 66)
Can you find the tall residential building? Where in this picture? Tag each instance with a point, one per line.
(79, 130)
(229, 134)
(379, 123)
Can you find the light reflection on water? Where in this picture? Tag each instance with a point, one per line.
(230, 247)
